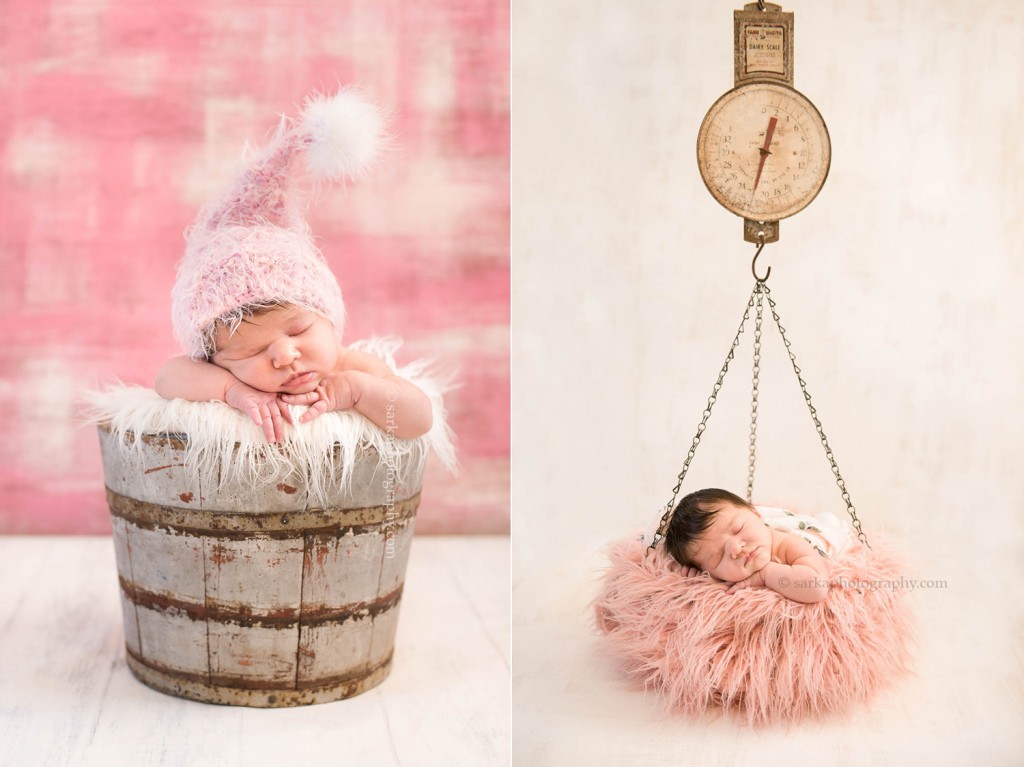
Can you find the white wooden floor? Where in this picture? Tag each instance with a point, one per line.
(964, 706)
(67, 698)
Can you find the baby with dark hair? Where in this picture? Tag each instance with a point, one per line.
(716, 532)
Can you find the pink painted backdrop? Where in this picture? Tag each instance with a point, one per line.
(118, 119)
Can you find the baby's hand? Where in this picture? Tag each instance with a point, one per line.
(262, 407)
(696, 572)
(334, 393)
(757, 579)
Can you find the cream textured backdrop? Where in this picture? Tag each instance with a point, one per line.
(899, 287)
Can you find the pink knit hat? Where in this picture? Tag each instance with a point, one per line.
(253, 245)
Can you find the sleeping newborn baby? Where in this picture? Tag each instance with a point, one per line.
(719, 533)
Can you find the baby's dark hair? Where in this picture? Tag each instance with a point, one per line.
(691, 517)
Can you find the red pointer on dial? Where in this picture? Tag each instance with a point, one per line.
(764, 150)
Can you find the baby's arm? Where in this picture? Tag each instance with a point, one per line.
(188, 379)
(185, 378)
(801, 576)
(367, 385)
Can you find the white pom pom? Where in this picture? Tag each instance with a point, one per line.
(343, 134)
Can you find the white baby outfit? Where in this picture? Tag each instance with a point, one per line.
(826, 532)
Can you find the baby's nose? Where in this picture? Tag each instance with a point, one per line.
(283, 353)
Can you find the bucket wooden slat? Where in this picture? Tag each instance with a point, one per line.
(247, 596)
(170, 639)
(163, 478)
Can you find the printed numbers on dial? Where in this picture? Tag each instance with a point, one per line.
(763, 151)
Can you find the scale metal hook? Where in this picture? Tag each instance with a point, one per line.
(753, 265)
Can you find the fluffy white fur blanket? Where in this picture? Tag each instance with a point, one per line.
(217, 437)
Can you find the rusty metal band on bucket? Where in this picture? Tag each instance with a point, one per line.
(235, 524)
(256, 693)
(243, 615)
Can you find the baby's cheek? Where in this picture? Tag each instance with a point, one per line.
(248, 374)
(733, 574)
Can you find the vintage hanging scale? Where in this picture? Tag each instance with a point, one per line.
(763, 149)
(764, 152)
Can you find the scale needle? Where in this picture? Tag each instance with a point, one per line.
(764, 150)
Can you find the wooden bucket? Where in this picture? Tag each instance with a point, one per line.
(248, 596)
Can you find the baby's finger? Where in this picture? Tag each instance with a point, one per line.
(318, 407)
(276, 421)
(267, 422)
(286, 412)
(301, 399)
(253, 411)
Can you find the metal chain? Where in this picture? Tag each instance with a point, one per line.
(759, 290)
(660, 532)
(755, 300)
(817, 423)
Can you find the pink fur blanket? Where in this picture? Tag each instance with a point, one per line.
(756, 653)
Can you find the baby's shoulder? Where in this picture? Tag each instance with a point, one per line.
(789, 547)
(355, 359)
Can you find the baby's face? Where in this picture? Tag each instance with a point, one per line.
(288, 349)
(735, 546)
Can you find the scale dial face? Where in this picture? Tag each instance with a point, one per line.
(763, 151)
